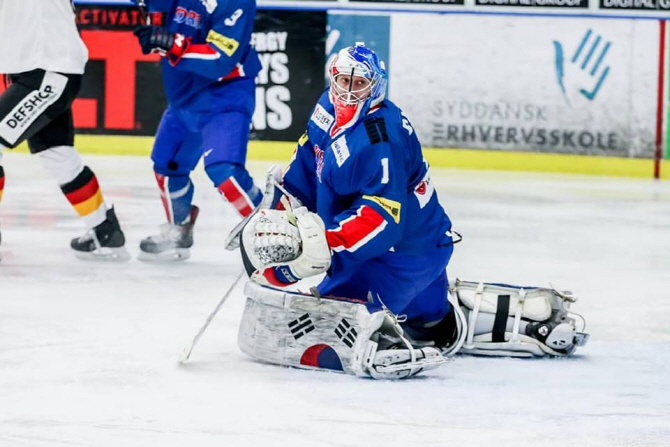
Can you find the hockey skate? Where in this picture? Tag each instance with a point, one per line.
(560, 337)
(398, 358)
(104, 242)
(172, 244)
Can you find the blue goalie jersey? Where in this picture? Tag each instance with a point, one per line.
(370, 185)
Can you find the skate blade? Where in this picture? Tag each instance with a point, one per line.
(581, 338)
(105, 254)
(174, 255)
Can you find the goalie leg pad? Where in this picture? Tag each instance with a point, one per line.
(504, 320)
(303, 331)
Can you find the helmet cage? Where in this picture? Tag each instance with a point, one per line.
(358, 61)
(350, 94)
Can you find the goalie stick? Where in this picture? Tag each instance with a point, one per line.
(186, 353)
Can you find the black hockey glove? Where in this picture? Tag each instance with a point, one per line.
(158, 39)
(154, 38)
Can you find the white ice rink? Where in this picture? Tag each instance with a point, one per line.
(88, 351)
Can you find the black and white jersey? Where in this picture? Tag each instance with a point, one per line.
(40, 34)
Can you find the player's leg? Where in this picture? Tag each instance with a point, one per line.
(175, 153)
(54, 146)
(225, 139)
(31, 101)
(43, 116)
(394, 281)
(430, 316)
(411, 288)
(225, 136)
(504, 320)
(24, 105)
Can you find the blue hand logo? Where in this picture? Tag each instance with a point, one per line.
(585, 69)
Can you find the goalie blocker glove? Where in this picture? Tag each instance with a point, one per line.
(280, 248)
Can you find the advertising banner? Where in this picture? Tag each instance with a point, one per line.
(536, 3)
(603, 8)
(424, 2)
(635, 5)
(106, 2)
(581, 86)
(292, 48)
(122, 91)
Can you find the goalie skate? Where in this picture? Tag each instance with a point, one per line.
(172, 244)
(393, 357)
(105, 242)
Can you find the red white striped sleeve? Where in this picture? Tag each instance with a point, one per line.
(356, 231)
(201, 51)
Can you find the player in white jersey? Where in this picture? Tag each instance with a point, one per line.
(43, 59)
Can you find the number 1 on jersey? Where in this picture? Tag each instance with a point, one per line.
(385, 171)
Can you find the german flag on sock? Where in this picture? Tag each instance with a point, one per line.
(2, 181)
(84, 194)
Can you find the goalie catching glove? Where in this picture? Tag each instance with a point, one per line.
(280, 248)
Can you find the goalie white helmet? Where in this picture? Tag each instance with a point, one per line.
(358, 82)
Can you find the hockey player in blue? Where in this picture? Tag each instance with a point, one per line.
(360, 167)
(208, 69)
(359, 205)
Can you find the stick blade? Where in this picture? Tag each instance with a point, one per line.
(185, 355)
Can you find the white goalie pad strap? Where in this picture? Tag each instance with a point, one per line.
(522, 346)
(461, 326)
(533, 303)
(303, 331)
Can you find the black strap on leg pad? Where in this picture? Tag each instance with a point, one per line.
(500, 322)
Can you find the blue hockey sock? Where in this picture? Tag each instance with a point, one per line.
(177, 195)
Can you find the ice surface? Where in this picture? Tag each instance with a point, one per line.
(88, 350)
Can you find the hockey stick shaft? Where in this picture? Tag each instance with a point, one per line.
(144, 15)
(186, 353)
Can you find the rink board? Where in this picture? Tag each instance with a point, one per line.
(280, 151)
